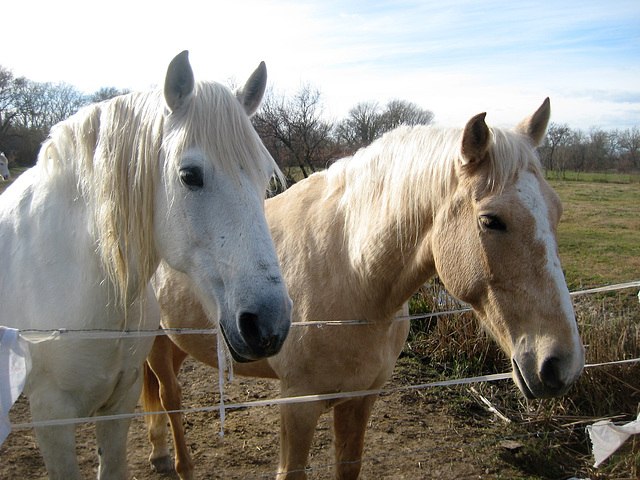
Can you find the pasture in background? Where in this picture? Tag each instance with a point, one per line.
(15, 173)
(599, 234)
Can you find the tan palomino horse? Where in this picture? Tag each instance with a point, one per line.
(357, 240)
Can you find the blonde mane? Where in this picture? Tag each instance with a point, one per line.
(404, 177)
(115, 150)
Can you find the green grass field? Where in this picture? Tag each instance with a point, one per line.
(594, 177)
(599, 234)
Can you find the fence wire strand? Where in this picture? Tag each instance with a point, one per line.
(39, 335)
(42, 335)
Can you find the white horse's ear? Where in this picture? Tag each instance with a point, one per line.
(179, 82)
(535, 126)
(475, 140)
(251, 93)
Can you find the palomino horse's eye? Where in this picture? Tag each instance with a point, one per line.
(191, 177)
(492, 222)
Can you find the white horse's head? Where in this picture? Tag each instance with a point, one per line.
(4, 167)
(209, 209)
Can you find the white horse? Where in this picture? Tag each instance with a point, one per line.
(177, 174)
(4, 167)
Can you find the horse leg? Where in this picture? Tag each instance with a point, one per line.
(111, 435)
(349, 424)
(58, 447)
(165, 361)
(297, 426)
(112, 447)
(160, 457)
(57, 444)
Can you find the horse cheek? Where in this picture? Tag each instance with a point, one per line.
(458, 259)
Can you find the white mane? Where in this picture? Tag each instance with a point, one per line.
(115, 149)
(218, 124)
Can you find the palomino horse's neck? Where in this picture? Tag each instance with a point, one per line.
(390, 192)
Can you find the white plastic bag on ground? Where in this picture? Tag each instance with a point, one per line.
(606, 437)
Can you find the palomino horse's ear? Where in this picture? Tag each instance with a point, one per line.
(251, 93)
(535, 126)
(475, 140)
(179, 82)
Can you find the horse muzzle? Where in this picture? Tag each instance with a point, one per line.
(257, 333)
(550, 377)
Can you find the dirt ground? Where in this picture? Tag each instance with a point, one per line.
(413, 434)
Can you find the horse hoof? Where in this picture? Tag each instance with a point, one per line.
(163, 465)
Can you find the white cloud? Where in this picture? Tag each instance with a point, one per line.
(456, 59)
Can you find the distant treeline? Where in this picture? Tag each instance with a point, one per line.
(594, 151)
(294, 128)
(29, 109)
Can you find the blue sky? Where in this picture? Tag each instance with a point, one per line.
(456, 58)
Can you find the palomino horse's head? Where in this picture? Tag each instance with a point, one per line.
(495, 248)
(209, 217)
(4, 167)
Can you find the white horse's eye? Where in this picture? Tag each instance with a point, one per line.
(192, 177)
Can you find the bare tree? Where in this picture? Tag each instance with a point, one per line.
(367, 121)
(107, 93)
(361, 127)
(41, 105)
(294, 131)
(402, 112)
(601, 150)
(8, 112)
(557, 136)
(629, 144)
(30, 109)
(573, 154)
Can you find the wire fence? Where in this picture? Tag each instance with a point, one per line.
(44, 335)
(39, 335)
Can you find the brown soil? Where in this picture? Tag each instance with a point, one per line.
(412, 434)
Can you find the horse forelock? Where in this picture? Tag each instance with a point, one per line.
(217, 124)
(509, 153)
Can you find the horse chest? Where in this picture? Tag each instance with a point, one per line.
(361, 357)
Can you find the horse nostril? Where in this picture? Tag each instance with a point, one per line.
(262, 338)
(250, 328)
(550, 374)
